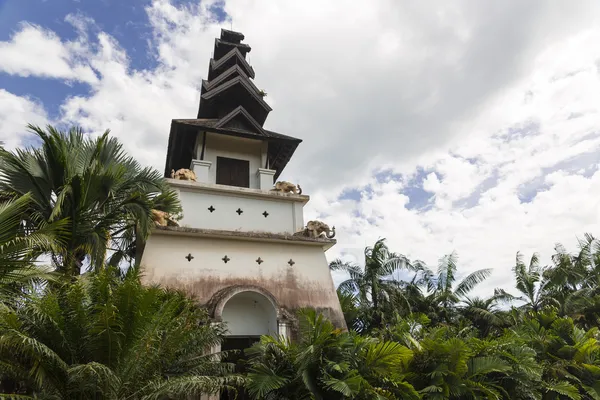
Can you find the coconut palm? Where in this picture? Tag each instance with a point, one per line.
(531, 283)
(374, 285)
(18, 249)
(105, 196)
(105, 336)
(444, 293)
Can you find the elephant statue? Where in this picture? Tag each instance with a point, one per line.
(183, 174)
(287, 187)
(162, 218)
(316, 229)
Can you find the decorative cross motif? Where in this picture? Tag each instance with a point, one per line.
(259, 260)
(239, 211)
(266, 214)
(225, 259)
(189, 257)
(211, 209)
(291, 262)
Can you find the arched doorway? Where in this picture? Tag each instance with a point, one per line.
(249, 314)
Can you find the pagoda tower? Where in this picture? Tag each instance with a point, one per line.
(241, 247)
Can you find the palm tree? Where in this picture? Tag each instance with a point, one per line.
(531, 283)
(328, 364)
(105, 336)
(18, 249)
(105, 196)
(373, 285)
(483, 313)
(443, 291)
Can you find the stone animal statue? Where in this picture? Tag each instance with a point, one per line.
(316, 229)
(183, 174)
(162, 218)
(287, 187)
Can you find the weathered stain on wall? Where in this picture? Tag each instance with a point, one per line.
(289, 295)
(306, 283)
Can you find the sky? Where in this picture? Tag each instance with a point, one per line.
(441, 126)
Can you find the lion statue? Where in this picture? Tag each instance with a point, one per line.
(316, 229)
(162, 218)
(287, 187)
(183, 174)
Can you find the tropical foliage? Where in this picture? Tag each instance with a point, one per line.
(18, 249)
(436, 341)
(76, 203)
(327, 363)
(102, 195)
(107, 336)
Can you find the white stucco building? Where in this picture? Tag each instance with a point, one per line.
(237, 249)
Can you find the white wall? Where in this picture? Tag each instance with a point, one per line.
(232, 147)
(250, 314)
(307, 283)
(282, 215)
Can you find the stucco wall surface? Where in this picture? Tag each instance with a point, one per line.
(281, 216)
(305, 283)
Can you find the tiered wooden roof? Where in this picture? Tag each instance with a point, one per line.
(230, 104)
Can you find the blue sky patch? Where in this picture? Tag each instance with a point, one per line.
(419, 198)
(350, 194)
(387, 175)
(577, 164)
(473, 199)
(527, 191)
(126, 21)
(520, 131)
(49, 92)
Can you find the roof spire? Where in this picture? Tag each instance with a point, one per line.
(229, 104)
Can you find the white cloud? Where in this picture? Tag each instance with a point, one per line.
(33, 51)
(498, 103)
(15, 113)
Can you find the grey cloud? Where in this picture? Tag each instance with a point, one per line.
(362, 106)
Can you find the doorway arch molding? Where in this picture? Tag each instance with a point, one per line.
(220, 299)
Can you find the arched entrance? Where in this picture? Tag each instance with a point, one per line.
(249, 313)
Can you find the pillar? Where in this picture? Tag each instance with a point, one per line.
(265, 178)
(201, 169)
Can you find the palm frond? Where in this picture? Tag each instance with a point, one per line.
(472, 280)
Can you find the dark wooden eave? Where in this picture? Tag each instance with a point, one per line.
(227, 96)
(182, 140)
(232, 58)
(231, 36)
(223, 47)
(231, 73)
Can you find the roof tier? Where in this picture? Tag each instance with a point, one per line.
(230, 104)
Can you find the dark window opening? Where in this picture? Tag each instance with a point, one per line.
(233, 172)
(239, 359)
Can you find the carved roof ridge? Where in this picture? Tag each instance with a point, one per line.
(215, 64)
(244, 82)
(240, 111)
(208, 85)
(219, 41)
